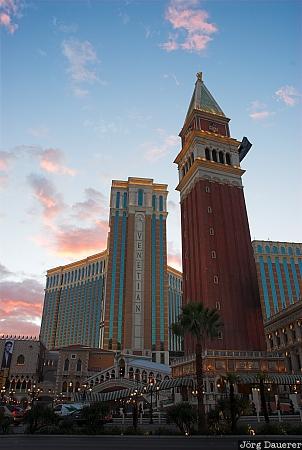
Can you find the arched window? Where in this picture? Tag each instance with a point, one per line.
(144, 376)
(107, 375)
(151, 377)
(23, 387)
(64, 386)
(161, 203)
(83, 272)
(112, 373)
(207, 153)
(77, 387)
(298, 251)
(97, 268)
(228, 159)
(70, 386)
(20, 360)
(131, 373)
(137, 375)
(89, 268)
(290, 251)
(267, 249)
(72, 276)
(221, 157)
(18, 385)
(140, 197)
(213, 254)
(79, 365)
(259, 249)
(214, 155)
(275, 249)
(66, 364)
(215, 279)
(283, 250)
(117, 200)
(92, 273)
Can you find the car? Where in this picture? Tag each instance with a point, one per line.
(17, 412)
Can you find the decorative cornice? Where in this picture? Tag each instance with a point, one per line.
(96, 257)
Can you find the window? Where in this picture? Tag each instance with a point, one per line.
(207, 153)
(211, 231)
(162, 358)
(208, 189)
(209, 209)
(117, 199)
(215, 279)
(219, 335)
(79, 365)
(161, 203)
(228, 158)
(221, 157)
(154, 202)
(213, 253)
(267, 249)
(140, 197)
(66, 364)
(20, 360)
(125, 200)
(214, 155)
(290, 251)
(217, 306)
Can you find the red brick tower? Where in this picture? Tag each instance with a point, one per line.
(218, 262)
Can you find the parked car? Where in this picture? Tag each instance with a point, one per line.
(17, 412)
(65, 409)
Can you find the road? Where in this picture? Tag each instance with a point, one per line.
(126, 442)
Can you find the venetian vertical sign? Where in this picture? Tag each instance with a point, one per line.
(138, 281)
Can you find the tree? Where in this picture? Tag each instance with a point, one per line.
(94, 416)
(201, 323)
(262, 377)
(39, 416)
(232, 379)
(183, 415)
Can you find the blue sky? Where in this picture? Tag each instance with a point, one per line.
(98, 90)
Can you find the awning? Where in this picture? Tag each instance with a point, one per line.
(271, 378)
(140, 390)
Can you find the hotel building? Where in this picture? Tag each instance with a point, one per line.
(136, 305)
(73, 302)
(279, 270)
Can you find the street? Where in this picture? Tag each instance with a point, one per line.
(26, 442)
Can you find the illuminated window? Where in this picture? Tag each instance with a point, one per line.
(211, 231)
(215, 279)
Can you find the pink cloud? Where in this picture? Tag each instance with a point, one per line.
(185, 17)
(20, 306)
(51, 160)
(9, 10)
(93, 207)
(78, 241)
(174, 257)
(288, 94)
(259, 111)
(154, 152)
(5, 158)
(44, 191)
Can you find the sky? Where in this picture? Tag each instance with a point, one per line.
(98, 90)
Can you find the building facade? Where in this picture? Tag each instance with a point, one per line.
(175, 304)
(136, 306)
(22, 370)
(218, 263)
(279, 270)
(73, 303)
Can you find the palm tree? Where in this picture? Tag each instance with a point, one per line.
(201, 323)
(232, 379)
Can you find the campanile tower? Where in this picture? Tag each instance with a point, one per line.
(218, 262)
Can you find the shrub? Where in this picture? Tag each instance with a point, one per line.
(94, 417)
(183, 415)
(40, 416)
(273, 428)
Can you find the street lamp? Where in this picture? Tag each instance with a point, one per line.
(151, 384)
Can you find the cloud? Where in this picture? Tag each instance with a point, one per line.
(289, 95)
(82, 58)
(51, 160)
(173, 76)
(63, 27)
(44, 191)
(73, 241)
(38, 132)
(20, 306)
(259, 111)
(4, 272)
(9, 11)
(5, 158)
(94, 205)
(193, 30)
(174, 256)
(154, 152)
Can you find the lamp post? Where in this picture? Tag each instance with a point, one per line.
(151, 384)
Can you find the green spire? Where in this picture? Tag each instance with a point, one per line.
(203, 100)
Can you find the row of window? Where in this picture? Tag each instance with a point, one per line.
(78, 366)
(175, 282)
(282, 250)
(218, 156)
(157, 201)
(77, 274)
